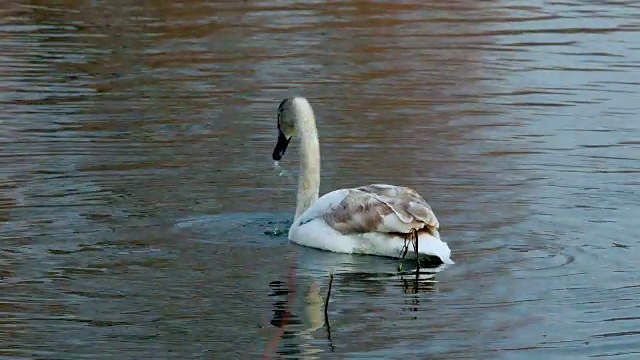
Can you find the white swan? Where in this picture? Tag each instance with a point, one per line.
(374, 219)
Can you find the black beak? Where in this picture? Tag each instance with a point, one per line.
(281, 146)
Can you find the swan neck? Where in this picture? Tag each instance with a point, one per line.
(309, 180)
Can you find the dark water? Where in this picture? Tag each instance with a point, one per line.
(136, 184)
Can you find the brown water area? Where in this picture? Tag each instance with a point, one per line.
(140, 210)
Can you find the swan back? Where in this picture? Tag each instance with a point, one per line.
(374, 208)
(373, 219)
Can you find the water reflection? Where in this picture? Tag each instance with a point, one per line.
(301, 336)
(138, 205)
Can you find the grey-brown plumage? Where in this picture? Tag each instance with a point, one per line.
(382, 208)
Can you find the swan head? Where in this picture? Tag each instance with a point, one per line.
(292, 112)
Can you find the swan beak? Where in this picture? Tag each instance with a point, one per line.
(281, 146)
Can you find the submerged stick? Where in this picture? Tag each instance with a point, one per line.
(403, 252)
(405, 248)
(414, 232)
(326, 300)
(326, 312)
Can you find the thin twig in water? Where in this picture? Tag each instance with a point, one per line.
(403, 252)
(414, 232)
(405, 248)
(326, 312)
(326, 300)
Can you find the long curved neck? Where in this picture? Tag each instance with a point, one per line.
(309, 180)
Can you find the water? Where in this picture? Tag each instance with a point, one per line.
(140, 209)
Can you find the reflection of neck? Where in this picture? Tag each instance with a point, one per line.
(309, 180)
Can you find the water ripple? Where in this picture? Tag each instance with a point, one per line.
(139, 206)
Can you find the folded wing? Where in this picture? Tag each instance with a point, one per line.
(380, 208)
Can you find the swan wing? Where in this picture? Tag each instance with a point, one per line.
(374, 208)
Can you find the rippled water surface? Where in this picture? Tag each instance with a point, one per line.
(139, 210)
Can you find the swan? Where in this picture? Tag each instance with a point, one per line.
(374, 219)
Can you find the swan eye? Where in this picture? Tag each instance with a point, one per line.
(285, 131)
(285, 122)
